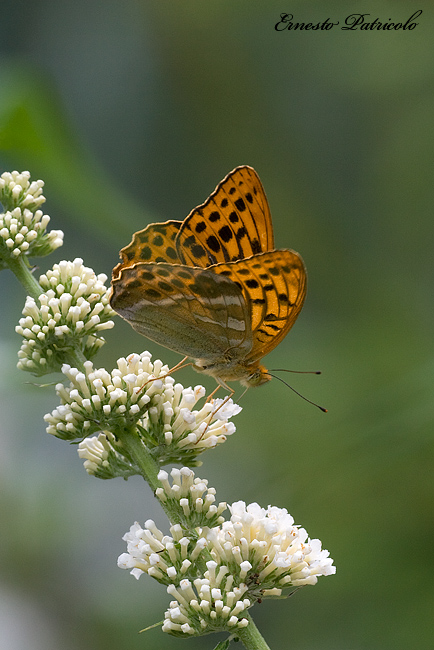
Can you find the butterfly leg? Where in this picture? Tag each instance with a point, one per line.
(211, 395)
(212, 414)
(178, 366)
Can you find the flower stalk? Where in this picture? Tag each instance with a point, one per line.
(149, 468)
(20, 268)
(251, 637)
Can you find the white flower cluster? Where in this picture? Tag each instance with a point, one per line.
(192, 496)
(96, 451)
(267, 550)
(184, 432)
(257, 554)
(97, 400)
(141, 394)
(102, 458)
(71, 312)
(22, 225)
(167, 558)
(16, 190)
(205, 605)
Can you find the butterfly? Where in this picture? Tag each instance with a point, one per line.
(213, 287)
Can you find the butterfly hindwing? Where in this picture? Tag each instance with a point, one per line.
(274, 285)
(232, 224)
(190, 310)
(154, 243)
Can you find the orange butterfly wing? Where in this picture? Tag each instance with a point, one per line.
(274, 286)
(155, 243)
(222, 286)
(232, 224)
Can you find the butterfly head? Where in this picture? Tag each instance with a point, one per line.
(258, 376)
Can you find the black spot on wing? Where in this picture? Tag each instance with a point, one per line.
(146, 253)
(200, 227)
(152, 293)
(241, 232)
(165, 286)
(171, 252)
(134, 284)
(225, 233)
(190, 241)
(213, 243)
(274, 327)
(256, 246)
(239, 203)
(159, 227)
(198, 251)
(264, 332)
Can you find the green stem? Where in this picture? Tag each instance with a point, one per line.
(20, 268)
(75, 358)
(149, 467)
(251, 637)
(135, 447)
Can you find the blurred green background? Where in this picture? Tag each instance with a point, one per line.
(131, 113)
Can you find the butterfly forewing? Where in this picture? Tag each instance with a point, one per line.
(190, 310)
(234, 222)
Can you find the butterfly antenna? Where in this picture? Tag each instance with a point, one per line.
(299, 372)
(321, 408)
